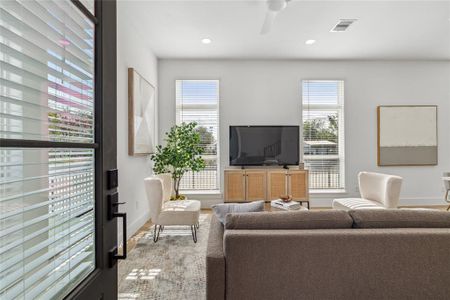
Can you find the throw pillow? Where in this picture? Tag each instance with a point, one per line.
(221, 210)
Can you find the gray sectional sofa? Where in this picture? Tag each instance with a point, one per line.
(363, 254)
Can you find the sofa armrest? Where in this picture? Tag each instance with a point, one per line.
(215, 262)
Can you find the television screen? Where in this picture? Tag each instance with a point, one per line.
(264, 145)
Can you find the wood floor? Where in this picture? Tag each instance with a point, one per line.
(131, 243)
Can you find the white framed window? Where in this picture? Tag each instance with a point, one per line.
(198, 101)
(323, 133)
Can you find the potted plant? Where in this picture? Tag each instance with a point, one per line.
(181, 153)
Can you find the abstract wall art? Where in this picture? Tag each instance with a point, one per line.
(141, 115)
(407, 135)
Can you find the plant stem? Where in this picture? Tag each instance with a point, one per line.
(175, 187)
(178, 185)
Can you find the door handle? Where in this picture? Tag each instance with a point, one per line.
(113, 212)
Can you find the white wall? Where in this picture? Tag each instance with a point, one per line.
(268, 92)
(131, 52)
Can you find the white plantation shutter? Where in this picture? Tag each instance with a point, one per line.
(323, 132)
(198, 101)
(46, 194)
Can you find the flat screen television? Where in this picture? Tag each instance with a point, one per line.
(264, 145)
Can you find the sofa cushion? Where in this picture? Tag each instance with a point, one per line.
(290, 220)
(400, 218)
(221, 210)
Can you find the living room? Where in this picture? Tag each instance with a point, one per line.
(216, 52)
(227, 149)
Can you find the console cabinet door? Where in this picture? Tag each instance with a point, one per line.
(255, 185)
(234, 186)
(298, 184)
(277, 184)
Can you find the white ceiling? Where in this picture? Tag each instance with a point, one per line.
(385, 29)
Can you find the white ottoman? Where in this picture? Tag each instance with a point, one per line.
(180, 212)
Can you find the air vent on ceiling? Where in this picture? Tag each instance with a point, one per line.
(343, 25)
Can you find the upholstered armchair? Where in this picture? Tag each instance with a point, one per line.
(446, 179)
(166, 213)
(167, 183)
(378, 191)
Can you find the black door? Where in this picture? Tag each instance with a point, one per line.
(58, 149)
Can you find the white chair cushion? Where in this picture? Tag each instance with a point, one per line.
(356, 203)
(181, 212)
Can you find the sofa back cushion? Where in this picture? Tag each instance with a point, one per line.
(333, 219)
(400, 218)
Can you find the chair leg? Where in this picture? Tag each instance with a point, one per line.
(156, 233)
(446, 198)
(162, 228)
(194, 233)
(198, 225)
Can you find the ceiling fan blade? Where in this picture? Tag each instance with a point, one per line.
(268, 21)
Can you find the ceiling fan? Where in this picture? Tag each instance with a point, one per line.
(273, 8)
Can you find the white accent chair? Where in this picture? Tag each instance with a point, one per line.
(378, 191)
(446, 179)
(166, 213)
(167, 183)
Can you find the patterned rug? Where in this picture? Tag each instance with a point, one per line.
(172, 268)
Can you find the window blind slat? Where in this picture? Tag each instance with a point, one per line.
(19, 259)
(10, 278)
(42, 83)
(65, 31)
(83, 29)
(57, 218)
(30, 34)
(24, 50)
(59, 243)
(22, 63)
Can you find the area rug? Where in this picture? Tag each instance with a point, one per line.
(172, 268)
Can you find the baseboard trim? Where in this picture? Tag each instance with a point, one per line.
(133, 227)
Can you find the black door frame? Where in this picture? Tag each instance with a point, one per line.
(102, 282)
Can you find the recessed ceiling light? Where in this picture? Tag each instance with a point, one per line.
(310, 42)
(206, 41)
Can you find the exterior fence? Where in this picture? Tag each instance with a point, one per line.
(324, 179)
(204, 180)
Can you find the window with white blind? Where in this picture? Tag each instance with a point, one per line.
(47, 213)
(323, 133)
(198, 101)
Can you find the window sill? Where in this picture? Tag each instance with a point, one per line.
(327, 192)
(200, 192)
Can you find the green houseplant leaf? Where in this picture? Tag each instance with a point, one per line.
(181, 153)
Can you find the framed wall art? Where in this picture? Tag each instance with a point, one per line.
(407, 135)
(141, 115)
